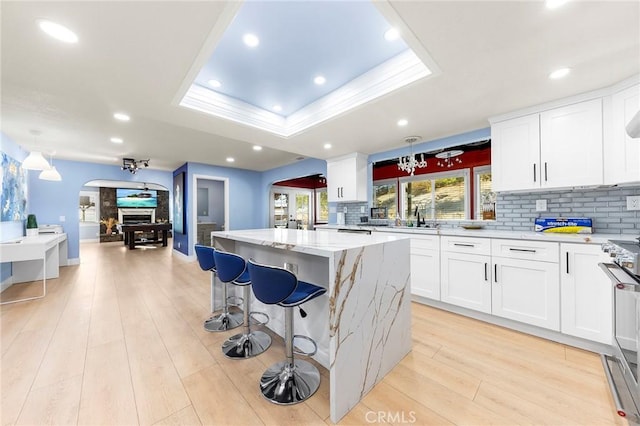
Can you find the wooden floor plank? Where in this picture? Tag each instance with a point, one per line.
(55, 404)
(107, 393)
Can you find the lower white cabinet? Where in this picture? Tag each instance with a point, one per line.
(586, 293)
(466, 280)
(425, 267)
(527, 291)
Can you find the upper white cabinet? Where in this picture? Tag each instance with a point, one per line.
(559, 147)
(515, 154)
(571, 145)
(586, 293)
(347, 178)
(622, 153)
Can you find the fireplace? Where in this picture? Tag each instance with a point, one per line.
(132, 216)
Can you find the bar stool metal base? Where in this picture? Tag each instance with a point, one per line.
(242, 346)
(284, 385)
(224, 321)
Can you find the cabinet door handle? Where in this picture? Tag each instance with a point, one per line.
(523, 250)
(495, 272)
(567, 262)
(545, 171)
(463, 245)
(535, 179)
(486, 277)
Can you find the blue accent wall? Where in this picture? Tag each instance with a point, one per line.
(181, 241)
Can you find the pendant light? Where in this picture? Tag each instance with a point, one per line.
(35, 160)
(51, 173)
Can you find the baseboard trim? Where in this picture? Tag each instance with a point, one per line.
(518, 326)
(6, 284)
(71, 262)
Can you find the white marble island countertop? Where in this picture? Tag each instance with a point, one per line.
(310, 242)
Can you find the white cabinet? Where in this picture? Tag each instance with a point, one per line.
(347, 178)
(515, 154)
(425, 266)
(465, 272)
(622, 153)
(559, 147)
(526, 285)
(571, 145)
(586, 293)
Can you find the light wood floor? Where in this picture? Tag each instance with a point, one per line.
(119, 341)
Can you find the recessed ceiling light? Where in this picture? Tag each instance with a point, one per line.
(251, 40)
(277, 108)
(116, 140)
(257, 148)
(327, 146)
(57, 31)
(554, 4)
(391, 34)
(319, 80)
(559, 73)
(230, 159)
(403, 122)
(214, 83)
(121, 116)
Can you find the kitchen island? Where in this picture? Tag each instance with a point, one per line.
(363, 325)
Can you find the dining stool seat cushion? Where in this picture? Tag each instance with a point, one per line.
(303, 293)
(243, 279)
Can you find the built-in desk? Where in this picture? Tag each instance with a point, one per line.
(363, 324)
(34, 259)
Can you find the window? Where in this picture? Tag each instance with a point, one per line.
(485, 197)
(385, 195)
(441, 196)
(322, 206)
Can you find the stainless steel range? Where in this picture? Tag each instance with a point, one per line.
(622, 367)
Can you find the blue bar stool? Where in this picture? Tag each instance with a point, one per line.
(233, 269)
(225, 320)
(293, 380)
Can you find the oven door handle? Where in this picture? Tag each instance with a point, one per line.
(620, 285)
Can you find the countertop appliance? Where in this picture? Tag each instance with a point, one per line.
(50, 229)
(621, 368)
